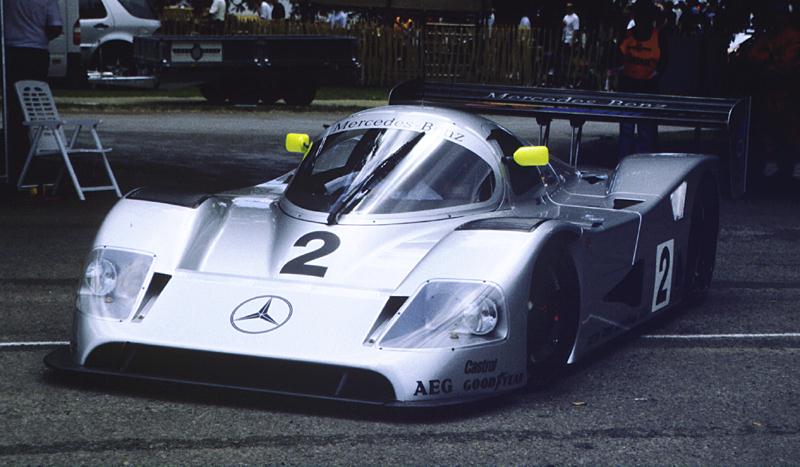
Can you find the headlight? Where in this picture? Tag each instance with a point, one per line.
(114, 282)
(100, 276)
(446, 314)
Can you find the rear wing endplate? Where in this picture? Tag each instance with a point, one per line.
(578, 107)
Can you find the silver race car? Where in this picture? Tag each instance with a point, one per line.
(417, 256)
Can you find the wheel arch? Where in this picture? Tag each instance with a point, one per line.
(702, 176)
(115, 39)
(705, 190)
(566, 236)
(111, 46)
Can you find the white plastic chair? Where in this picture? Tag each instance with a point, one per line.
(48, 137)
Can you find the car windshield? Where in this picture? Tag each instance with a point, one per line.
(387, 171)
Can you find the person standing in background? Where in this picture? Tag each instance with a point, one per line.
(278, 10)
(643, 54)
(677, 9)
(265, 11)
(216, 16)
(569, 38)
(28, 26)
(341, 19)
(774, 64)
(692, 19)
(572, 24)
(669, 21)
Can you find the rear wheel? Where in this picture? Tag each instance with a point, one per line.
(301, 94)
(268, 93)
(702, 247)
(243, 93)
(115, 57)
(552, 316)
(213, 92)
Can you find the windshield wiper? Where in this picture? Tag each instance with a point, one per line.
(347, 202)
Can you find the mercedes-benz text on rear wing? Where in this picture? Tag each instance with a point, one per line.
(578, 107)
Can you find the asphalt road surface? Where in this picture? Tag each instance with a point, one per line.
(715, 384)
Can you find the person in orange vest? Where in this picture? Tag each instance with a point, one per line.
(643, 54)
(774, 58)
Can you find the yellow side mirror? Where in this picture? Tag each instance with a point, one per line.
(298, 143)
(532, 156)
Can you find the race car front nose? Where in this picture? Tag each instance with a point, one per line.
(234, 316)
(279, 337)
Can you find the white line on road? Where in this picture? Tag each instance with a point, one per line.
(32, 344)
(783, 335)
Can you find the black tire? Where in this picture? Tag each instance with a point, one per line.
(268, 93)
(115, 57)
(552, 316)
(301, 94)
(701, 251)
(243, 92)
(240, 98)
(214, 93)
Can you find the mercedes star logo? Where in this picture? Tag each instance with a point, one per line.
(261, 314)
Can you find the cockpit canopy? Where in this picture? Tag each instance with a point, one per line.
(389, 170)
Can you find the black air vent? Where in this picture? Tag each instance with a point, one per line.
(522, 224)
(157, 285)
(392, 306)
(623, 203)
(169, 196)
(629, 290)
(239, 371)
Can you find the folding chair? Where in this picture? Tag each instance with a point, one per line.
(48, 137)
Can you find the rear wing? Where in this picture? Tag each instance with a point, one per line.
(578, 107)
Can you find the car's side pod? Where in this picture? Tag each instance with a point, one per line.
(664, 172)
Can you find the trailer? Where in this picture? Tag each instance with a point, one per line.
(249, 68)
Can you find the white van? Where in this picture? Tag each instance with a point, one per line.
(65, 50)
(107, 31)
